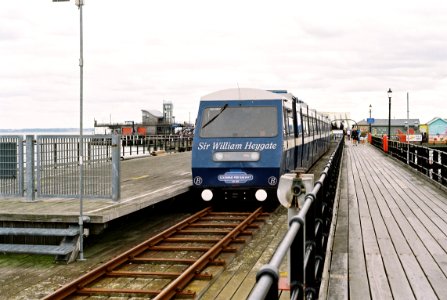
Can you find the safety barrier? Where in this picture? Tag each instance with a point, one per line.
(377, 141)
(428, 161)
(147, 144)
(306, 240)
(11, 165)
(55, 165)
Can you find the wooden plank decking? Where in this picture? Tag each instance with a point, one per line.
(391, 235)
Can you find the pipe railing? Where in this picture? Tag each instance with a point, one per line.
(306, 239)
(431, 162)
(134, 145)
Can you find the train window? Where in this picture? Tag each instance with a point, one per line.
(312, 125)
(305, 127)
(241, 121)
(291, 131)
(300, 124)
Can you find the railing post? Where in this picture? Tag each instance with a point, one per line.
(30, 181)
(297, 272)
(310, 249)
(385, 143)
(20, 177)
(116, 167)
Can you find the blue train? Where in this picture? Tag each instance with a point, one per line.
(245, 139)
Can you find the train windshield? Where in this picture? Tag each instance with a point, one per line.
(241, 121)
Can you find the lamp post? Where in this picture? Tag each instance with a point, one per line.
(370, 124)
(407, 127)
(389, 112)
(407, 124)
(79, 4)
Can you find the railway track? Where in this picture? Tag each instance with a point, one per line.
(164, 266)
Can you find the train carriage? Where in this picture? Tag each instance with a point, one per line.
(245, 139)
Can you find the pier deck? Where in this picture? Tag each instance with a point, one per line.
(391, 234)
(144, 182)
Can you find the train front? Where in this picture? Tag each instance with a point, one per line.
(237, 145)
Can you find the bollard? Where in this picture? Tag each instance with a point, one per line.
(385, 143)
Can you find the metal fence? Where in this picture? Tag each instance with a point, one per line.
(376, 141)
(11, 165)
(52, 166)
(430, 162)
(148, 144)
(306, 240)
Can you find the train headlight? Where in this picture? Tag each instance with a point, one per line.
(207, 195)
(236, 156)
(261, 195)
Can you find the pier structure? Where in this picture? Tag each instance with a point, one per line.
(388, 237)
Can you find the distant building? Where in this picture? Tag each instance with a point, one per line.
(168, 111)
(397, 126)
(437, 131)
(153, 122)
(151, 117)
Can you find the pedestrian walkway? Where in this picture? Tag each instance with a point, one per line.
(391, 235)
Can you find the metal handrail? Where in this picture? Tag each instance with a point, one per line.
(431, 162)
(303, 245)
(146, 144)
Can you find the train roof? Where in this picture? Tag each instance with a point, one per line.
(247, 94)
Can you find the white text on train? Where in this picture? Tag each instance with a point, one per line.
(232, 146)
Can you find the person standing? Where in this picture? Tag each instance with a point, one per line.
(354, 135)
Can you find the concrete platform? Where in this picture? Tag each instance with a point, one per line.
(145, 181)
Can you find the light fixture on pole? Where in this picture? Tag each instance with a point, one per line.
(79, 4)
(389, 112)
(370, 118)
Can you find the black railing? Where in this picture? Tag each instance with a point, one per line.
(306, 239)
(431, 162)
(377, 141)
(134, 145)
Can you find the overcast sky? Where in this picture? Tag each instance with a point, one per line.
(334, 55)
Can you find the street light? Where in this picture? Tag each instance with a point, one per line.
(370, 118)
(79, 4)
(389, 112)
(407, 127)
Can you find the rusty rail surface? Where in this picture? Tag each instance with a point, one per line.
(228, 226)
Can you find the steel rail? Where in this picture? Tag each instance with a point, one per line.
(81, 282)
(178, 284)
(185, 261)
(194, 268)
